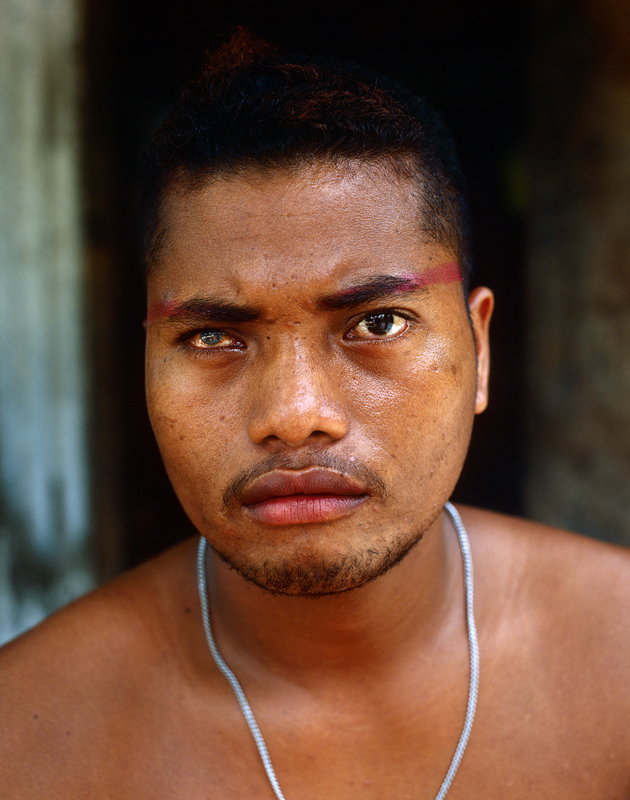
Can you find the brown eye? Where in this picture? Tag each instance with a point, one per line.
(380, 325)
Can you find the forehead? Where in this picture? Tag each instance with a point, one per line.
(321, 224)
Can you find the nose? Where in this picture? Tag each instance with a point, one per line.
(297, 399)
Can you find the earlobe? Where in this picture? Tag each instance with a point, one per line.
(480, 305)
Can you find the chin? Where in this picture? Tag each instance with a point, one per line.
(322, 577)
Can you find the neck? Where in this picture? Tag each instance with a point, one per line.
(411, 612)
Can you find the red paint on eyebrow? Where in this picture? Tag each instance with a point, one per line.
(443, 273)
(381, 286)
(202, 308)
(160, 310)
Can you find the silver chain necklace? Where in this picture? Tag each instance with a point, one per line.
(247, 712)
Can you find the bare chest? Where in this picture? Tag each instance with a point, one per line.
(533, 748)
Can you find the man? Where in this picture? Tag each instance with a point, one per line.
(314, 364)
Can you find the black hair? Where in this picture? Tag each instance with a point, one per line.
(251, 107)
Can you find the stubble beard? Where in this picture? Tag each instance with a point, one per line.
(308, 574)
(321, 577)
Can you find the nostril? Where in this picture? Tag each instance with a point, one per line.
(275, 428)
(294, 439)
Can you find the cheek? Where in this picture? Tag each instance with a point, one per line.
(187, 420)
(182, 390)
(191, 419)
(423, 429)
(430, 392)
(192, 442)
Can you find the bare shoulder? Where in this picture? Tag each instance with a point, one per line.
(72, 684)
(553, 615)
(566, 595)
(134, 607)
(551, 561)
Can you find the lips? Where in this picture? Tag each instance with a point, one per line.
(314, 495)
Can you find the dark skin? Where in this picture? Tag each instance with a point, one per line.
(357, 674)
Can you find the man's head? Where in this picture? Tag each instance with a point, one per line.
(254, 109)
(313, 367)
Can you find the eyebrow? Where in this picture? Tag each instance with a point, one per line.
(382, 286)
(211, 309)
(207, 309)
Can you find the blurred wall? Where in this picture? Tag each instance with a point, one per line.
(45, 557)
(579, 269)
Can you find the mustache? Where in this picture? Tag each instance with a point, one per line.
(342, 466)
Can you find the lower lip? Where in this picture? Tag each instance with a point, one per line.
(299, 509)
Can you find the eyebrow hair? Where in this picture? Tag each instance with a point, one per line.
(376, 288)
(203, 308)
(382, 286)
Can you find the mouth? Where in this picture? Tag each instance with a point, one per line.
(285, 497)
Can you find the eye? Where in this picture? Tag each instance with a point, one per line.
(379, 325)
(212, 340)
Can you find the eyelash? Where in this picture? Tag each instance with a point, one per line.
(186, 338)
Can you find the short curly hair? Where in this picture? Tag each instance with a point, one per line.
(251, 107)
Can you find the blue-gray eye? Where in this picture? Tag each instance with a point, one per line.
(211, 337)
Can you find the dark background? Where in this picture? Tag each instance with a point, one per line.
(469, 59)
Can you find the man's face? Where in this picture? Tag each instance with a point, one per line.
(311, 372)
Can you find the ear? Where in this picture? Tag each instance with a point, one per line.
(480, 305)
